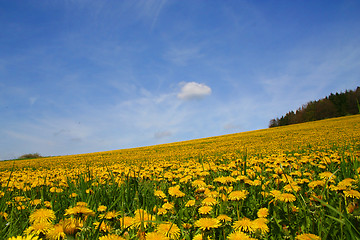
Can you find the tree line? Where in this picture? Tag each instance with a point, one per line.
(334, 105)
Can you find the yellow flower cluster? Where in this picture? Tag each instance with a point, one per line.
(266, 184)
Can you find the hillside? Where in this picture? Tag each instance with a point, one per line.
(293, 182)
(259, 142)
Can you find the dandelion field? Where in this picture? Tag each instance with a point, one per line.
(293, 182)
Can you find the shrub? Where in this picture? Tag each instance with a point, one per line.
(30, 155)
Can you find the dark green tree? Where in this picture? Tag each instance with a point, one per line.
(334, 105)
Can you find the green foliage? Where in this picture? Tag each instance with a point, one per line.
(30, 156)
(334, 105)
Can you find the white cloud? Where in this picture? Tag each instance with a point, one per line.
(193, 90)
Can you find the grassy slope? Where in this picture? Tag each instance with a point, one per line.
(298, 137)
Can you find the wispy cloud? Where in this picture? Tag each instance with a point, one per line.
(232, 126)
(150, 9)
(310, 73)
(182, 55)
(32, 100)
(26, 137)
(162, 134)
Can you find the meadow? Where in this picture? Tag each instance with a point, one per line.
(292, 182)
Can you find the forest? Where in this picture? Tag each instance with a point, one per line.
(334, 105)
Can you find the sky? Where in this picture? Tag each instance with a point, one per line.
(80, 76)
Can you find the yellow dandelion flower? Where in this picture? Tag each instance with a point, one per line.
(209, 201)
(198, 183)
(73, 195)
(307, 236)
(212, 194)
(198, 237)
(79, 210)
(56, 232)
(220, 179)
(302, 181)
(42, 215)
(225, 179)
(190, 203)
(35, 202)
(126, 221)
(263, 212)
(161, 211)
(103, 226)
(314, 184)
(346, 183)
(224, 218)
(244, 224)
(256, 182)
(16, 238)
(207, 223)
(38, 228)
(160, 194)
(109, 215)
(175, 191)
(101, 208)
(238, 235)
(200, 190)
(352, 194)
(168, 206)
(4, 215)
(185, 179)
(275, 193)
(170, 230)
(241, 178)
(291, 187)
(327, 176)
(20, 199)
(287, 197)
(156, 236)
(238, 195)
(89, 191)
(82, 204)
(296, 173)
(71, 225)
(260, 225)
(205, 209)
(20, 207)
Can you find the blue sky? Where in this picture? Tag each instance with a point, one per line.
(81, 76)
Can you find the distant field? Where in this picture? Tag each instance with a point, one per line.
(293, 182)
